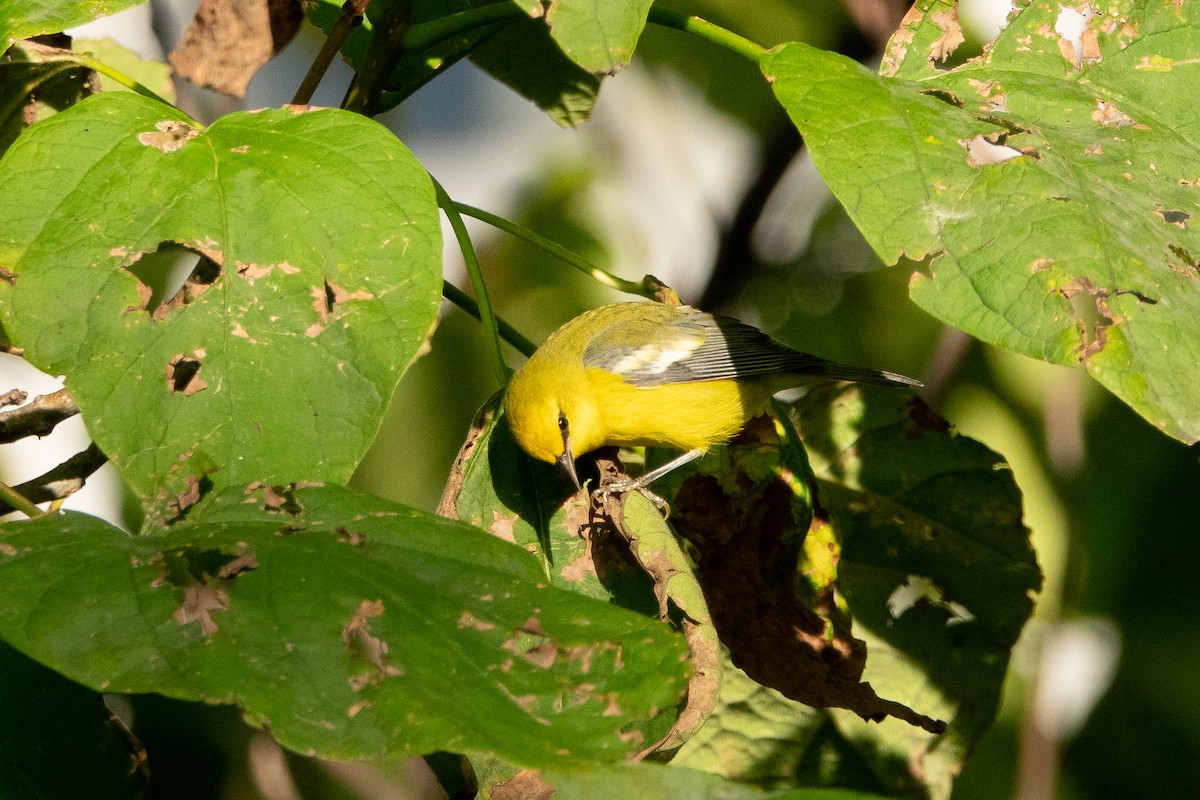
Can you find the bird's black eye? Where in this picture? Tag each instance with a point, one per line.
(563, 425)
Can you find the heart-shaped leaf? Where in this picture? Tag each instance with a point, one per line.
(319, 281)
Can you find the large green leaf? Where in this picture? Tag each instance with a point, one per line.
(935, 565)
(498, 487)
(600, 37)
(760, 737)
(915, 578)
(276, 359)
(353, 627)
(654, 782)
(1055, 198)
(20, 19)
(523, 56)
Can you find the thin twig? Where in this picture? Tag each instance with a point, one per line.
(382, 56)
(647, 287)
(424, 35)
(18, 502)
(507, 332)
(13, 397)
(491, 331)
(62, 481)
(37, 418)
(351, 18)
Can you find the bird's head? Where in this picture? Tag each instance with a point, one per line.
(552, 417)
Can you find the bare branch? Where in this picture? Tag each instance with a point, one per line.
(62, 481)
(37, 418)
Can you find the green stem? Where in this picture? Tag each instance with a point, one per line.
(426, 34)
(707, 30)
(507, 332)
(120, 77)
(643, 288)
(20, 502)
(491, 330)
(351, 18)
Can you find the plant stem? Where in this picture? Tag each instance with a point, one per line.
(97, 65)
(382, 56)
(707, 30)
(351, 18)
(19, 501)
(644, 288)
(491, 331)
(507, 332)
(426, 34)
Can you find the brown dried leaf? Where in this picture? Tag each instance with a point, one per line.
(748, 567)
(229, 40)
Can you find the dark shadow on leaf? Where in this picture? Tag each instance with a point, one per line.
(913, 503)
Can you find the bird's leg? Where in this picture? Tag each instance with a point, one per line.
(641, 482)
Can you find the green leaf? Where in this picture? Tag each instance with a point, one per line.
(320, 280)
(935, 567)
(659, 552)
(523, 56)
(154, 75)
(20, 19)
(353, 627)
(1056, 202)
(758, 736)
(497, 486)
(501, 489)
(48, 722)
(414, 68)
(600, 37)
(654, 782)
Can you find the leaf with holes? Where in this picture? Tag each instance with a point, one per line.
(317, 282)
(1051, 183)
(351, 626)
(496, 486)
(935, 567)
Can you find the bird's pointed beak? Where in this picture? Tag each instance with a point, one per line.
(567, 462)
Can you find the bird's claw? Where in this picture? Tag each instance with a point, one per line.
(625, 485)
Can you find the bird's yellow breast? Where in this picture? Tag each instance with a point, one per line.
(688, 416)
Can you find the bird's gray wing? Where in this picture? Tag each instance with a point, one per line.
(697, 346)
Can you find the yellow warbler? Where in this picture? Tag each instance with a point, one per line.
(650, 374)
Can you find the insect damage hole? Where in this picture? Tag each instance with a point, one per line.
(168, 135)
(982, 150)
(1077, 42)
(183, 374)
(171, 277)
